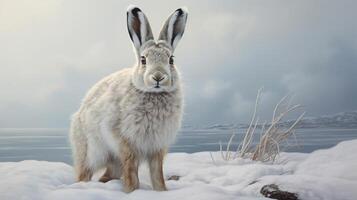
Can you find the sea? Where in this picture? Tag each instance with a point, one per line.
(53, 144)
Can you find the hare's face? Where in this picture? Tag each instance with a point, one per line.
(155, 71)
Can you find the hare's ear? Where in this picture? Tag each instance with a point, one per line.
(138, 27)
(174, 27)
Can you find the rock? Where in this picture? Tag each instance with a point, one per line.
(272, 191)
(174, 178)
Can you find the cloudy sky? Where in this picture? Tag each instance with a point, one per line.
(53, 51)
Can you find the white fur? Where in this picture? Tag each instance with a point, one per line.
(114, 108)
(126, 106)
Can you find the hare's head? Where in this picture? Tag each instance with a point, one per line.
(156, 70)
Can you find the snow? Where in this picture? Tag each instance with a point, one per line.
(323, 174)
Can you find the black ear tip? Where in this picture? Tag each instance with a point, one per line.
(135, 10)
(180, 11)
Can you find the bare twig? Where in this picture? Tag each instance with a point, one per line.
(271, 136)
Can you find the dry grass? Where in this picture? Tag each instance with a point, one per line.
(272, 135)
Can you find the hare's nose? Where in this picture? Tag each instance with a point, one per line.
(158, 76)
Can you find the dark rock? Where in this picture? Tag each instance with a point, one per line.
(174, 178)
(272, 191)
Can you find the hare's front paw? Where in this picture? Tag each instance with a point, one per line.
(130, 183)
(129, 188)
(162, 188)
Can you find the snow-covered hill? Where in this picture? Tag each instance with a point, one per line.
(325, 174)
(338, 120)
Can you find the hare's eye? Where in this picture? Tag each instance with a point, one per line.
(143, 60)
(171, 61)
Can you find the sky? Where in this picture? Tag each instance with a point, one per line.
(53, 51)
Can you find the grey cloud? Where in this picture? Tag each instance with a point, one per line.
(230, 49)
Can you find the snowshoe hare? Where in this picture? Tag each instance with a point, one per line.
(134, 114)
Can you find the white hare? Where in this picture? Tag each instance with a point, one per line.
(134, 114)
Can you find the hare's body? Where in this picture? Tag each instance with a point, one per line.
(134, 114)
(114, 110)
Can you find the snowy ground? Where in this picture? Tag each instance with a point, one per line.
(324, 174)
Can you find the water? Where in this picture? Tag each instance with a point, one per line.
(53, 145)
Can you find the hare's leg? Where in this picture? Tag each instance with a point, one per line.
(113, 170)
(84, 174)
(83, 171)
(156, 172)
(130, 163)
(79, 145)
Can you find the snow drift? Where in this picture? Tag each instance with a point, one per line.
(323, 174)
